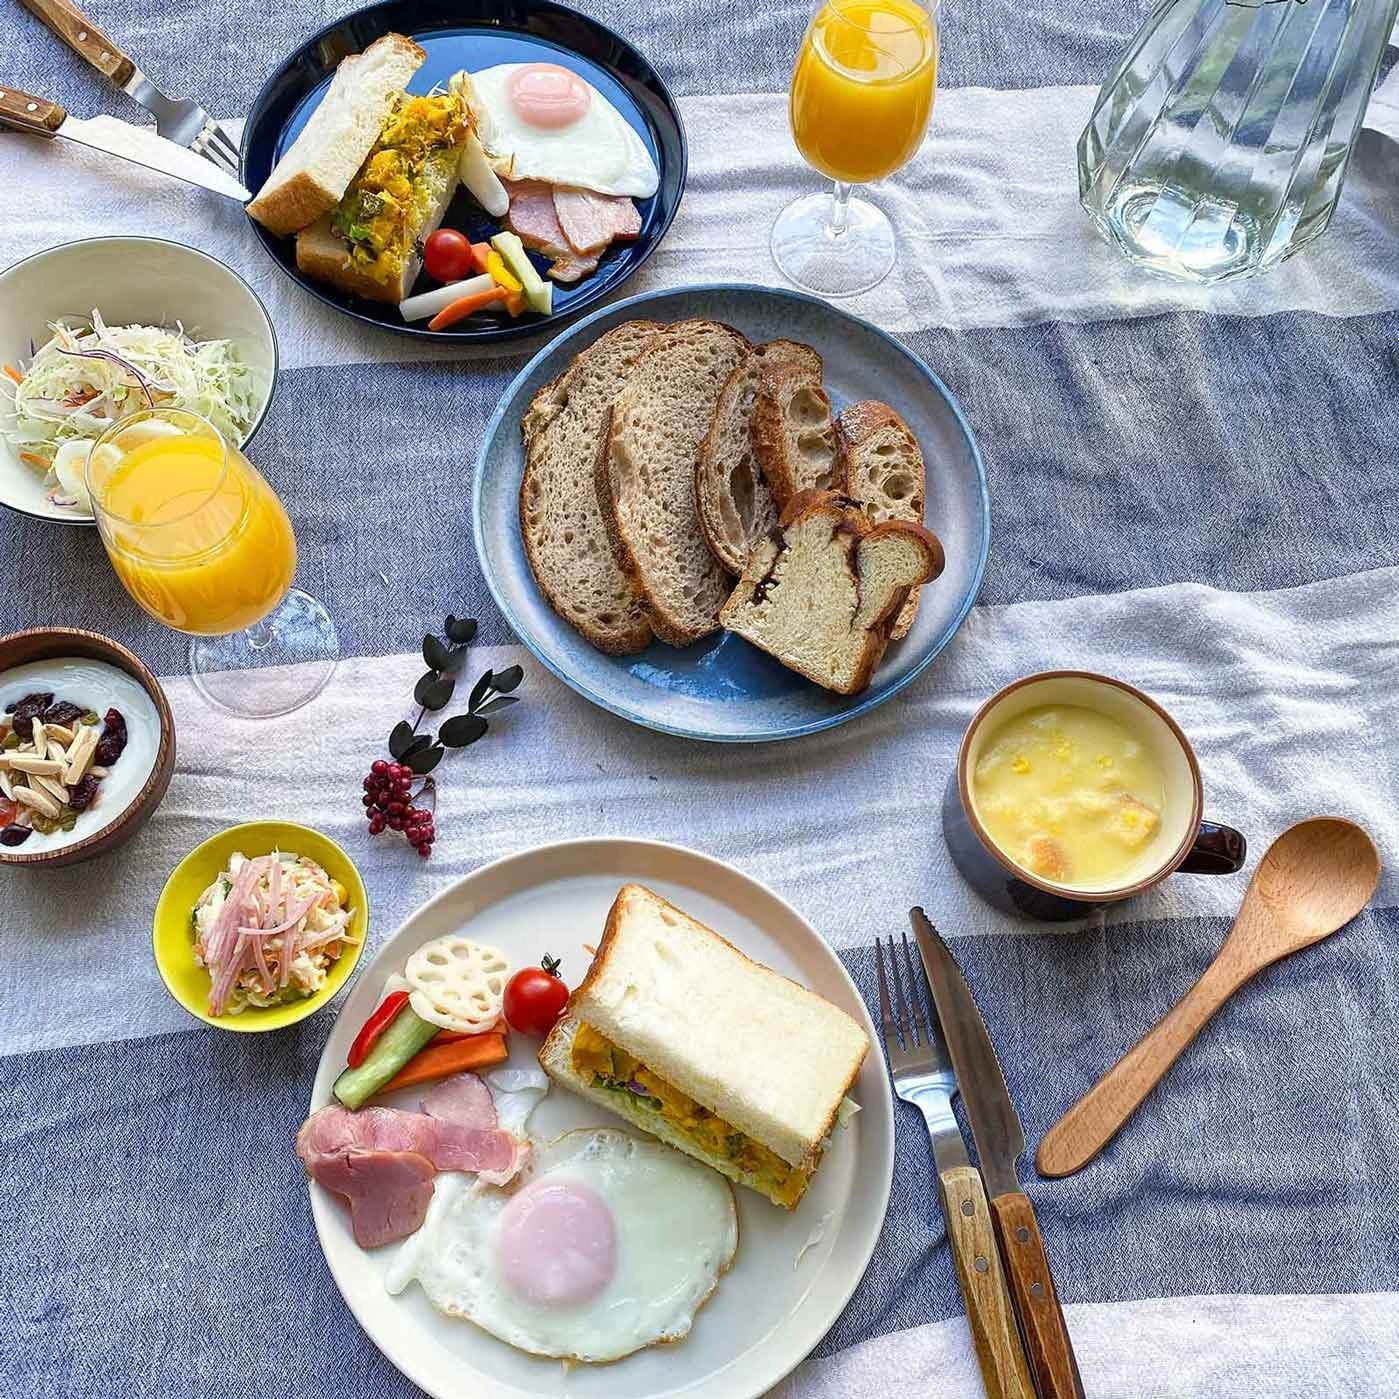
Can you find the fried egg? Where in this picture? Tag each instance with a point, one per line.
(572, 1260)
(538, 121)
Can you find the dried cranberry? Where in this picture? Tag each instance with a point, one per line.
(81, 794)
(113, 741)
(15, 835)
(29, 709)
(63, 712)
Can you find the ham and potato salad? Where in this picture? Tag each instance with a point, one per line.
(269, 929)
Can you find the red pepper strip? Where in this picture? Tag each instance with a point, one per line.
(375, 1026)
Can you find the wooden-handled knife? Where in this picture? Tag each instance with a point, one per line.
(999, 1141)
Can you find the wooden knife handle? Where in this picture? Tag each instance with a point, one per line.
(83, 37)
(25, 112)
(1047, 1341)
(999, 1351)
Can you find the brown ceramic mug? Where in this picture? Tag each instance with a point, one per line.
(1185, 842)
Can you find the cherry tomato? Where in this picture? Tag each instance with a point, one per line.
(447, 255)
(535, 998)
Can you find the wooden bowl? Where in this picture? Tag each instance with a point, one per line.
(53, 643)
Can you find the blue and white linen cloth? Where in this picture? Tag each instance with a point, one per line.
(1196, 491)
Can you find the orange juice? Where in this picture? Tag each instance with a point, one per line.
(204, 547)
(862, 90)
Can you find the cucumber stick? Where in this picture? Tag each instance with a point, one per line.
(539, 294)
(406, 1035)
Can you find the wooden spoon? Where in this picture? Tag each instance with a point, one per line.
(1315, 877)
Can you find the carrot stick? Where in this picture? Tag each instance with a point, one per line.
(462, 308)
(12, 373)
(454, 1057)
(479, 253)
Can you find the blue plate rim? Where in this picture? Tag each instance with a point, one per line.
(471, 336)
(829, 721)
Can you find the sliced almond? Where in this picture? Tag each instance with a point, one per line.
(36, 739)
(61, 732)
(40, 801)
(31, 762)
(56, 749)
(80, 754)
(51, 785)
(95, 771)
(6, 786)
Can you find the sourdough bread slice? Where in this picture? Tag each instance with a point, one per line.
(770, 1057)
(794, 438)
(647, 475)
(562, 517)
(312, 177)
(884, 471)
(822, 592)
(732, 499)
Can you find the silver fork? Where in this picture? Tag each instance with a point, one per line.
(178, 119)
(923, 1075)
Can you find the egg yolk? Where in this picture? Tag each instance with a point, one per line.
(545, 95)
(557, 1245)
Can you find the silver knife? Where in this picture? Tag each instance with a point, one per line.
(999, 1141)
(40, 117)
(178, 119)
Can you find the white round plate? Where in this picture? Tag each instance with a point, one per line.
(773, 1306)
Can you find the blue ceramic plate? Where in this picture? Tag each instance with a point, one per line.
(476, 34)
(723, 689)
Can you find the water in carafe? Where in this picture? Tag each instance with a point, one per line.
(1218, 145)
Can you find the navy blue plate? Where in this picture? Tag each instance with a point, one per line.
(722, 689)
(476, 34)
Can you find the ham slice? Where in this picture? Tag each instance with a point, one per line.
(464, 1100)
(591, 221)
(388, 1191)
(450, 1146)
(532, 218)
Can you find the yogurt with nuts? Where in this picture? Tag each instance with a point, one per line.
(78, 743)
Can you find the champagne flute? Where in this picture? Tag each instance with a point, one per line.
(862, 93)
(201, 542)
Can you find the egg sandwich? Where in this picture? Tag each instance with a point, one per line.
(678, 1032)
(370, 175)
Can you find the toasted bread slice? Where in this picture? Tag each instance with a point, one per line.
(562, 518)
(732, 499)
(767, 1056)
(647, 476)
(822, 592)
(884, 471)
(312, 177)
(321, 252)
(794, 438)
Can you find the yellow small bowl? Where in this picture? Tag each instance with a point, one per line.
(172, 936)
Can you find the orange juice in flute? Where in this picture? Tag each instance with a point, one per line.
(862, 92)
(201, 542)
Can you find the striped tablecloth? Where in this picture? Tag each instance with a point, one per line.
(1197, 492)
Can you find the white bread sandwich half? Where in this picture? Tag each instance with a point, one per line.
(884, 471)
(312, 177)
(371, 244)
(823, 591)
(679, 1033)
(647, 476)
(732, 498)
(562, 518)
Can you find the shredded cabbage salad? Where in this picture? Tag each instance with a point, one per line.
(269, 930)
(90, 374)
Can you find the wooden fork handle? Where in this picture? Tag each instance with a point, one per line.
(1100, 1114)
(25, 112)
(1047, 1343)
(999, 1351)
(84, 38)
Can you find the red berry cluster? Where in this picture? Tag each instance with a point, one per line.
(388, 801)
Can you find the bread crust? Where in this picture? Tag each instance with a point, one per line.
(778, 384)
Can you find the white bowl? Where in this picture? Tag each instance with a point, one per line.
(146, 281)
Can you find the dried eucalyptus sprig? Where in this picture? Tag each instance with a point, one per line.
(389, 799)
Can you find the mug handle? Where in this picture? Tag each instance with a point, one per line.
(1217, 850)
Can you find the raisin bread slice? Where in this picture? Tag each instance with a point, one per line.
(822, 592)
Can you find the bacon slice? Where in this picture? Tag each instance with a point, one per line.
(388, 1192)
(532, 218)
(591, 221)
(450, 1146)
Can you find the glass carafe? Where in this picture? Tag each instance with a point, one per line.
(1218, 145)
